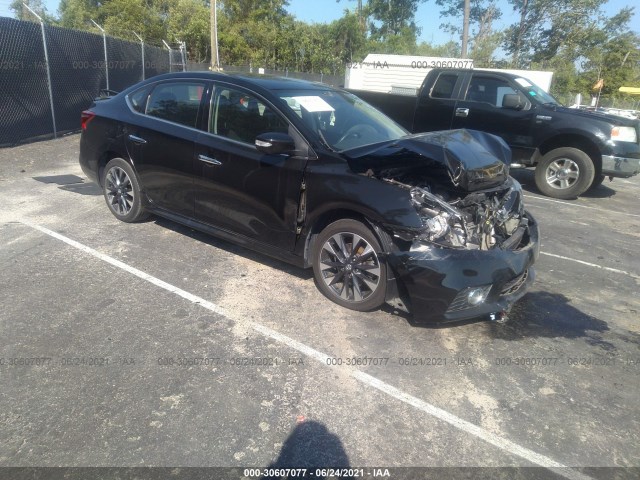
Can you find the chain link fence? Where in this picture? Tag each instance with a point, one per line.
(48, 75)
(333, 80)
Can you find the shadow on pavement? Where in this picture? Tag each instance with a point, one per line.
(550, 315)
(312, 446)
(71, 183)
(304, 274)
(602, 191)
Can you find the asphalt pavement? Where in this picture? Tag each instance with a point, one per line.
(151, 344)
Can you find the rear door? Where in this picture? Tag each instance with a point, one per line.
(434, 110)
(238, 188)
(481, 108)
(162, 142)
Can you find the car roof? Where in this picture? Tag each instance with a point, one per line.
(267, 82)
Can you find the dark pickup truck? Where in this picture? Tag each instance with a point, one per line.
(572, 150)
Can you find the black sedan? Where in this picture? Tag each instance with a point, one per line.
(430, 223)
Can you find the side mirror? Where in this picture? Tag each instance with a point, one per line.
(274, 143)
(513, 101)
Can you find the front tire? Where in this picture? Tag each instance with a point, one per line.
(122, 191)
(347, 266)
(564, 173)
(597, 181)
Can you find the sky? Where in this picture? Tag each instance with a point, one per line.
(427, 17)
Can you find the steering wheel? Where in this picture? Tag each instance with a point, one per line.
(358, 131)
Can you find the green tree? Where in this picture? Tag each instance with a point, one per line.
(250, 31)
(122, 17)
(188, 21)
(613, 55)
(392, 19)
(22, 13)
(241, 11)
(78, 13)
(450, 49)
(551, 28)
(349, 38)
(483, 39)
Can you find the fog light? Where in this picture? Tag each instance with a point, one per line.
(476, 296)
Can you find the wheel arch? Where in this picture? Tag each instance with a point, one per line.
(571, 140)
(106, 157)
(321, 221)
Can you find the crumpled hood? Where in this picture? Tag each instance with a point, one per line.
(467, 160)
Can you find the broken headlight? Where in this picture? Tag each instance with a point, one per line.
(442, 223)
(511, 209)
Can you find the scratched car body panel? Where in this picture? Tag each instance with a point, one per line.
(430, 223)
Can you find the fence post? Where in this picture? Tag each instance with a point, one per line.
(46, 61)
(167, 45)
(142, 44)
(106, 60)
(183, 51)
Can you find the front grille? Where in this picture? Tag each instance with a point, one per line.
(514, 285)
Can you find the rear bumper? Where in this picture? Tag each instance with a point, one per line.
(88, 159)
(436, 280)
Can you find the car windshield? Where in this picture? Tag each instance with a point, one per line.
(342, 120)
(536, 92)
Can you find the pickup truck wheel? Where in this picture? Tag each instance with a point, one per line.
(347, 267)
(597, 181)
(564, 173)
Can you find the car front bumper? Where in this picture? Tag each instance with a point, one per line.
(436, 280)
(620, 166)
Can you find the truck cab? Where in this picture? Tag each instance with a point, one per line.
(572, 150)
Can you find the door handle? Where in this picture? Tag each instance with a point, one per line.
(138, 140)
(209, 160)
(462, 112)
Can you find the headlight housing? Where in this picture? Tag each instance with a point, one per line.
(624, 134)
(442, 223)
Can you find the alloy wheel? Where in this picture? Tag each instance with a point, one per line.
(562, 173)
(350, 267)
(119, 190)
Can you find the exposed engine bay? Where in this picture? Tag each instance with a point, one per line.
(479, 220)
(459, 184)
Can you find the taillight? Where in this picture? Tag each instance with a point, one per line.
(85, 118)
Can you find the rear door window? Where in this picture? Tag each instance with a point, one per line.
(177, 102)
(138, 99)
(444, 86)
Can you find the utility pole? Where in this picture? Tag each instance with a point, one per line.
(215, 57)
(465, 27)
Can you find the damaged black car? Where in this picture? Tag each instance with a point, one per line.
(431, 224)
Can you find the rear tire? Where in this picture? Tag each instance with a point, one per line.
(347, 266)
(564, 173)
(122, 191)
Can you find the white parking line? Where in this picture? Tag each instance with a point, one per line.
(535, 197)
(615, 270)
(459, 423)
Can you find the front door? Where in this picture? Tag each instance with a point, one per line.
(482, 109)
(238, 188)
